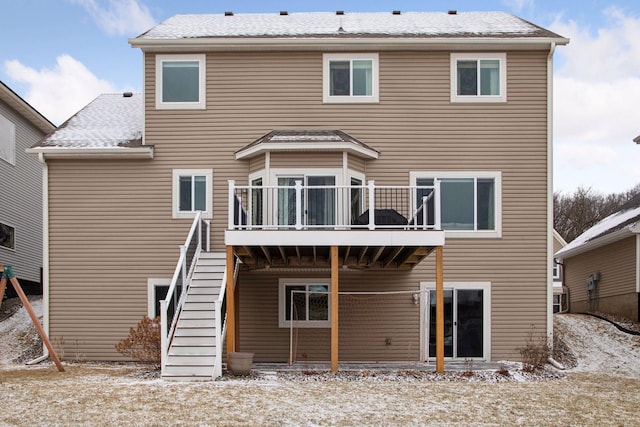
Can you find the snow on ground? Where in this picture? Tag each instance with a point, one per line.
(599, 346)
(17, 333)
(603, 389)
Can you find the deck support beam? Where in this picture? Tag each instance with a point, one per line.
(231, 303)
(334, 308)
(439, 311)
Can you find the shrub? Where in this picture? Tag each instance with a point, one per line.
(143, 342)
(535, 351)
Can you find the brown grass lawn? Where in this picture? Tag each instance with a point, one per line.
(113, 395)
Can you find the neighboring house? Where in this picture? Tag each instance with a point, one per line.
(21, 126)
(560, 300)
(308, 156)
(602, 265)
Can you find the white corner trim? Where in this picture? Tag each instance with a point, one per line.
(45, 251)
(550, 230)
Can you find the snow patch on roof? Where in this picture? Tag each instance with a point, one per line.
(109, 121)
(611, 223)
(329, 24)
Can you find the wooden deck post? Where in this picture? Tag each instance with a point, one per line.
(231, 304)
(439, 311)
(334, 309)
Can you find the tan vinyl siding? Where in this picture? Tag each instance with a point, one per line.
(356, 163)
(104, 210)
(617, 265)
(256, 164)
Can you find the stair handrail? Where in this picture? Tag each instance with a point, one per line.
(182, 273)
(221, 323)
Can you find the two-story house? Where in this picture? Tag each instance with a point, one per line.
(347, 186)
(21, 126)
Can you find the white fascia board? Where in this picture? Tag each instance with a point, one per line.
(319, 146)
(618, 235)
(333, 238)
(145, 152)
(372, 43)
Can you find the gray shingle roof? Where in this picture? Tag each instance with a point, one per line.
(109, 121)
(407, 24)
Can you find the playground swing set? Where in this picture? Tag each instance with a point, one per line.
(7, 275)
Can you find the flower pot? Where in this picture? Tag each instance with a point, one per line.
(240, 362)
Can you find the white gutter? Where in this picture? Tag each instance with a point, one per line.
(550, 229)
(342, 42)
(142, 152)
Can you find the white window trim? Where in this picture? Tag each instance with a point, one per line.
(15, 238)
(282, 322)
(475, 234)
(202, 83)
(375, 83)
(555, 270)
(12, 141)
(176, 212)
(152, 284)
(486, 311)
(502, 57)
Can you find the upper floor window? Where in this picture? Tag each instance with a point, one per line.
(7, 236)
(180, 81)
(478, 77)
(7, 140)
(470, 202)
(192, 192)
(350, 78)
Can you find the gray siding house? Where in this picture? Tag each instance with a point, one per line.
(311, 187)
(21, 126)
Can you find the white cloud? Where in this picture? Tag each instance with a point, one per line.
(518, 5)
(596, 91)
(60, 92)
(119, 17)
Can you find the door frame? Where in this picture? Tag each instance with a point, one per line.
(425, 287)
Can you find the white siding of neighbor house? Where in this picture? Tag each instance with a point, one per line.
(21, 200)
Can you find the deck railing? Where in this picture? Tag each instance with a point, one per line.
(197, 240)
(339, 207)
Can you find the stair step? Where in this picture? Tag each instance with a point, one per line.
(204, 290)
(183, 370)
(208, 351)
(205, 341)
(191, 360)
(201, 298)
(195, 323)
(195, 332)
(200, 306)
(203, 275)
(210, 255)
(191, 314)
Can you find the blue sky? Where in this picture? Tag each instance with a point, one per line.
(60, 54)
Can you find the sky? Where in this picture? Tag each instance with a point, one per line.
(59, 55)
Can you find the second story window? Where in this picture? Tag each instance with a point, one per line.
(470, 202)
(350, 78)
(180, 82)
(192, 192)
(7, 140)
(478, 77)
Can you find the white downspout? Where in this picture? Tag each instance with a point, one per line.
(552, 49)
(45, 257)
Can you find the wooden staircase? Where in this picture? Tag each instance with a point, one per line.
(192, 353)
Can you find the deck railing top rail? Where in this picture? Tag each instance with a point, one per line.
(338, 207)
